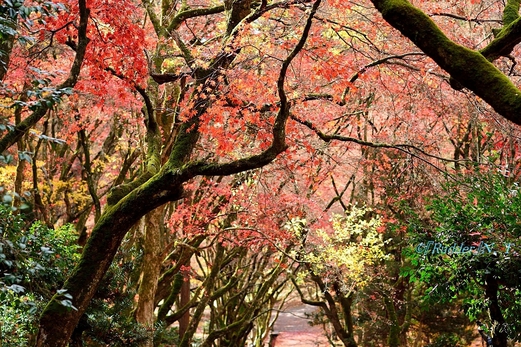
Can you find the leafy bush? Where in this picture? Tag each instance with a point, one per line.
(34, 263)
(445, 340)
(474, 236)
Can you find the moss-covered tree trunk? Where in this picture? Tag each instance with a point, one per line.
(150, 272)
(393, 340)
(57, 321)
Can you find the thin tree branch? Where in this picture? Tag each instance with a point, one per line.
(466, 19)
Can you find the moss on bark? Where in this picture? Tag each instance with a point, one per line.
(468, 67)
(99, 253)
(511, 11)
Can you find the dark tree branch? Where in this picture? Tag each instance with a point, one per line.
(505, 41)
(466, 19)
(279, 128)
(405, 148)
(192, 13)
(162, 187)
(168, 77)
(15, 134)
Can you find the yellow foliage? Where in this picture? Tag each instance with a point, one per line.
(7, 176)
(349, 252)
(77, 192)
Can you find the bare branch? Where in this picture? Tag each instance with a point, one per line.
(466, 19)
(399, 146)
(192, 13)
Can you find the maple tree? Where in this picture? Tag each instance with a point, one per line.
(164, 186)
(156, 94)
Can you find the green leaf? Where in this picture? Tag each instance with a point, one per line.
(7, 199)
(16, 288)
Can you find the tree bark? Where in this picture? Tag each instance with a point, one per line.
(150, 273)
(184, 322)
(57, 321)
(6, 44)
(499, 337)
(393, 340)
(345, 332)
(20, 129)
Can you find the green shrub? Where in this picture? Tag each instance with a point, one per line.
(34, 262)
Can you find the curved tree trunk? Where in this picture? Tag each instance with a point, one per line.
(57, 321)
(142, 196)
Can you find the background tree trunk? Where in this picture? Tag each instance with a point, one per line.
(150, 272)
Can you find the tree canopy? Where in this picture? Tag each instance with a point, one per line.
(205, 151)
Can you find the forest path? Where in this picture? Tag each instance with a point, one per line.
(292, 329)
